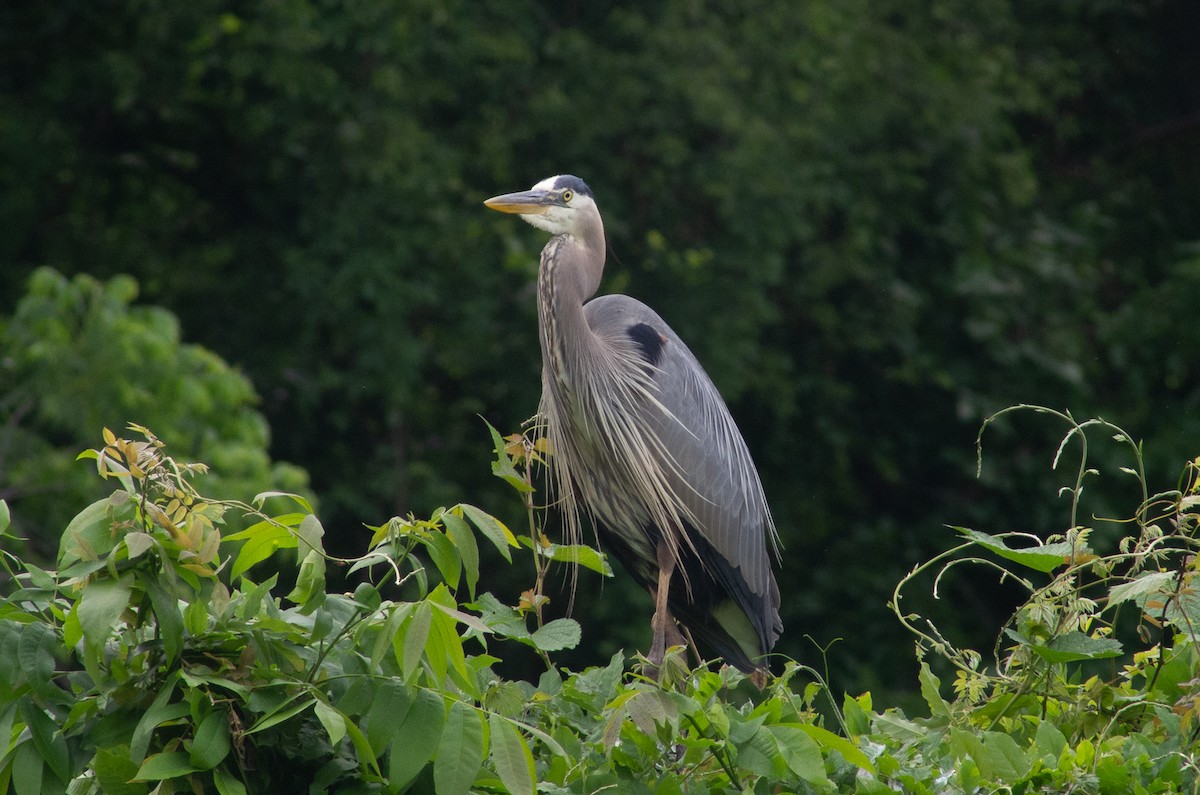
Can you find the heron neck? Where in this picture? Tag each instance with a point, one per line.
(569, 275)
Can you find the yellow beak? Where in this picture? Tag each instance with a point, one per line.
(526, 202)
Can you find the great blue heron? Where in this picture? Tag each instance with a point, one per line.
(643, 443)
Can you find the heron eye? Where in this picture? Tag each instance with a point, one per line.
(567, 195)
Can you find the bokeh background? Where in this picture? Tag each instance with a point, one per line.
(257, 228)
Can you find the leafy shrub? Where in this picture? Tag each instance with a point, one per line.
(160, 656)
(77, 355)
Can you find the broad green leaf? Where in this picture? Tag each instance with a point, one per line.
(48, 739)
(87, 536)
(114, 771)
(492, 528)
(1002, 758)
(27, 770)
(460, 751)
(930, 690)
(474, 622)
(856, 715)
(227, 784)
(800, 753)
(5, 516)
(260, 546)
(1050, 742)
(444, 637)
(445, 557)
(1149, 583)
(166, 612)
(511, 756)
(100, 606)
(503, 467)
(333, 721)
(415, 738)
(35, 652)
(415, 638)
(166, 765)
(136, 543)
(561, 633)
(1072, 647)
(262, 497)
(762, 756)
(576, 554)
(160, 711)
(212, 741)
(280, 714)
(835, 742)
(459, 532)
(362, 748)
(390, 701)
(311, 534)
(309, 591)
(1044, 557)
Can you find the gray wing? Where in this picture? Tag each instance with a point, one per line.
(715, 477)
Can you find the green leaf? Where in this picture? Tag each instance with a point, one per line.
(492, 528)
(577, 554)
(1043, 557)
(835, 742)
(227, 784)
(1050, 742)
(100, 606)
(561, 633)
(159, 712)
(48, 739)
(511, 756)
(136, 543)
(460, 751)
(212, 741)
(445, 557)
(1002, 758)
(444, 638)
(279, 715)
(5, 516)
(35, 653)
(262, 497)
(930, 690)
(1074, 646)
(166, 611)
(459, 533)
(261, 545)
(309, 591)
(763, 756)
(415, 738)
(1149, 583)
(333, 721)
(390, 701)
(800, 753)
(415, 638)
(87, 537)
(166, 765)
(503, 467)
(27, 770)
(114, 771)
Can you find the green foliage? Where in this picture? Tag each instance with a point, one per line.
(79, 356)
(153, 659)
(874, 222)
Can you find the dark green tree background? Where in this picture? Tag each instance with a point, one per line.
(874, 222)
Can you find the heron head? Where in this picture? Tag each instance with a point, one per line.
(560, 204)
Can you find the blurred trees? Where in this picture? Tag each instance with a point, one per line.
(78, 356)
(874, 223)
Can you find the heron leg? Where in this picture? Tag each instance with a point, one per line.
(666, 632)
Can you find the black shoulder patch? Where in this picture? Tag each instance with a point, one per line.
(650, 340)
